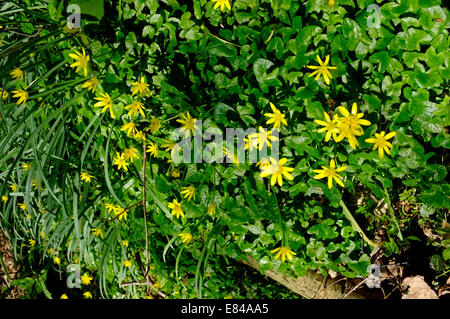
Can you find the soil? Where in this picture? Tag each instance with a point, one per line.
(12, 270)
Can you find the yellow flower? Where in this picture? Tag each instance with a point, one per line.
(120, 161)
(264, 137)
(26, 166)
(263, 162)
(322, 69)
(140, 88)
(331, 173)
(212, 209)
(186, 238)
(121, 213)
(350, 125)
(330, 126)
(42, 234)
(105, 102)
(4, 94)
(111, 207)
(222, 4)
(64, 296)
(4, 199)
(14, 187)
(276, 117)
(125, 243)
(228, 297)
(81, 61)
(251, 143)
(152, 148)
(168, 145)
(97, 232)
(35, 184)
(16, 73)
(130, 128)
(130, 154)
(32, 242)
(87, 295)
(188, 192)
(277, 170)
(86, 279)
(57, 260)
(176, 209)
(139, 136)
(283, 252)
(380, 142)
(91, 84)
(86, 177)
(331, 3)
(127, 263)
(188, 123)
(22, 95)
(175, 173)
(22, 206)
(135, 108)
(155, 124)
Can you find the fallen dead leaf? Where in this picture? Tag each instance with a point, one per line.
(417, 288)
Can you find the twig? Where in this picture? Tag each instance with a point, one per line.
(353, 289)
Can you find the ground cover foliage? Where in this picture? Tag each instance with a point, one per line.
(359, 96)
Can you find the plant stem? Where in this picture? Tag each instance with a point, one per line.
(355, 225)
(144, 208)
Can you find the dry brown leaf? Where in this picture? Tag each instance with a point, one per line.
(417, 288)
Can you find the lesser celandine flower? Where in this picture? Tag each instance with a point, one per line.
(22, 95)
(87, 295)
(22, 206)
(231, 156)
(105, 101)
(188, 123)
(251, 143)
(140, 88)
(330, 126)
(350, 125)
(86, 177)
(127, 263)
(263, 137)
(277, 170)
(86, 279)
(176, 209)
(276, 117)
(90, 84)
(64, 296)
(130, 128)
(97, 232)
(380, 142)
(81, 61)
(14, 187)
(16, 73)
(120, 161)
(130, 154)
(152, 148)
(330, 173)
(135, 108)
(125, 243)
(283, 253)
(111, 207)
(175, 173)
(322, 69)
(4, 94)
(186, 238)
(222, 4)
(57, 260)
(32, 242)
(35, 184)
(4, 199)
(188, 192)
(26, 166)
(121, 213)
